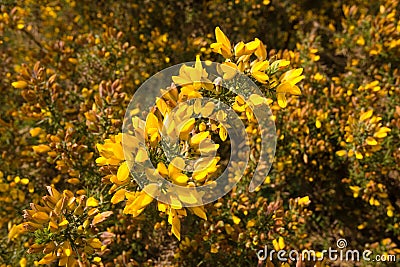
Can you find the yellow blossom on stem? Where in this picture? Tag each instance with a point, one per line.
(257, 71)
(223, 45)
(288, 85)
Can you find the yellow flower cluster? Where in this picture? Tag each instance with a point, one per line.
(64, 228)
(364, 135)
(251, 58)
(194, 137)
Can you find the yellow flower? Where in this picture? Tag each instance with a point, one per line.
(223, 134)
(92, 202)
(246, 49)
(175, 168)
(162, 106)
(68, 256)
(111, 151)
(355, 189)
(360, 41)
(223, 45)
(15, 231)
(371, 141)
(281, 243)
(282, 63)
(189, 197)
(73, 60)
(186, 128)
(118, 196)
(261, 52)
(162, 169)
(257, 71)
(207, 146)
(288, 85)
(390, 210)
(204, 167)
(41, 149)
(195, 76)
(173, 219)
(318, 124)
(359, 155)
(48, 258)
(275, 244)
(19, 84)
(152, 126)
(35, 131)
(229, 70)
(278, 244)
(304, 200)
(253, 45)
(123, 172)
(236, 220)
(214, 248)
(141, 155)
(136, 202)
(366, 115)
(240, 49)
(199, 211)
(22, 262)
(251, 223)
(240, 104)
(208, 109)
(198, 138)
(382, 132)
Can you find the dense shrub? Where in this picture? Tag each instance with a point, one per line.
(70, 68)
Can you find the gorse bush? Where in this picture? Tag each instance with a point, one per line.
(328, 72)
